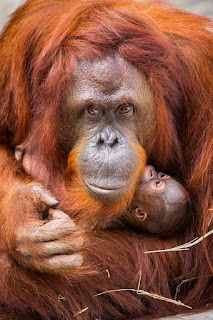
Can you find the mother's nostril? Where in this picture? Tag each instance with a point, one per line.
(112, 138)
(103, 137)
(108, 137)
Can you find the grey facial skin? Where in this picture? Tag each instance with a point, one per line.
(112, 105)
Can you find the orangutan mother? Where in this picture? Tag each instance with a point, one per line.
(87, 90)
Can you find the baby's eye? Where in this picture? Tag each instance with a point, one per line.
(157, 185)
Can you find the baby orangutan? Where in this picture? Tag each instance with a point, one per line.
(159, 205)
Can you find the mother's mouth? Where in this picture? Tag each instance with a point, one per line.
(101, 190)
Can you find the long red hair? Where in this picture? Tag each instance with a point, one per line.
(166, 44)
(39, 49)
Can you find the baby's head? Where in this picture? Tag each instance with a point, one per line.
(159, 205)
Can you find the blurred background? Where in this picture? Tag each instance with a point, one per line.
(204, 7)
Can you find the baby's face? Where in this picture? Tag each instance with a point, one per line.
(161, 187)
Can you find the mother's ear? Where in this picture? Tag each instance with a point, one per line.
(140, 214)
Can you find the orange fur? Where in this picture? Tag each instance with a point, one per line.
(174, 49)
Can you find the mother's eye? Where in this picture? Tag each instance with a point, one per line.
(125, 110)
(93, 111)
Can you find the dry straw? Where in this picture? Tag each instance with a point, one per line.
(149, 294)
(81, 311)
(179, 286)
(184, 246)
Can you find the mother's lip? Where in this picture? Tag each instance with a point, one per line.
(99, 189)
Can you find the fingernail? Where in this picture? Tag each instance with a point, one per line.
(56, 202)
(77, 260)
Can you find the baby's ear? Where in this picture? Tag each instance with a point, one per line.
(139, 214)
